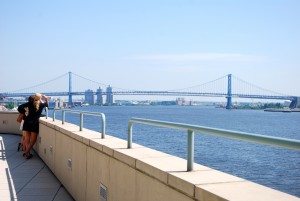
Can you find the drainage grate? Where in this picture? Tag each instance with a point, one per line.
(103, 192)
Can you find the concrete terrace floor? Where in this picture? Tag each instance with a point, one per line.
(26, 179)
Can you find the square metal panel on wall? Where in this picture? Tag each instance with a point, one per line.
(103, 192)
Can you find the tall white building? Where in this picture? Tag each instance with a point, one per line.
(89, 97)
(109, 96)
(99, 96)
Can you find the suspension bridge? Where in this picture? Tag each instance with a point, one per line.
(228, 86)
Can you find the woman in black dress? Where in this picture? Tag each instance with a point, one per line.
(32, 111)
(22, 143)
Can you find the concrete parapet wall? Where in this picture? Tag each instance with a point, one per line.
(82, 161)
(8, 122)
(137, 174)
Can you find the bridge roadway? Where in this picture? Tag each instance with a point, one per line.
(157, 93)
(295, 101)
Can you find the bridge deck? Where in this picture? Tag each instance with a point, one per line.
(23, 179)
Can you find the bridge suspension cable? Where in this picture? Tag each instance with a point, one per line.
(217, 86)
(97, 84)
(37, 88)
(243, 87)
(89, 79)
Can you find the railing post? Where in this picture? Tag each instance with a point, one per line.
(54, 111)
(103, 126)
(190, 149)
(129, 140)
(63, 116)
(46, 112)
(81, 121)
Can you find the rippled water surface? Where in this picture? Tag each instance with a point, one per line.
(270, 166)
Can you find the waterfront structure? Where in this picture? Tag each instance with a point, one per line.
(109, 96)
(94, 169)
(99, 96)
(89, 96)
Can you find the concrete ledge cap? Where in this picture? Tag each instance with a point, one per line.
(140, 152)
(109, 144)
(240, 191)
(9, 112)
(85, 136)
(186, 181)
(129, 156)
(69, 130)
(48, 122)
(159, 167)
(94, 144)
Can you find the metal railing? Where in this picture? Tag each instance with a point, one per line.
(262, 139)
(81, 118)
(47, 112)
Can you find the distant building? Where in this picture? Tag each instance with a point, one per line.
(99, 96)
(286, 103)
(58, 103)
(89, 96)
(109, 96)
(180, 101)
(183, 102)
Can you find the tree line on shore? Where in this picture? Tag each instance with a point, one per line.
(260, 106)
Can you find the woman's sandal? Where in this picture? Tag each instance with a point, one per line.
(29, 156)
(19, 146)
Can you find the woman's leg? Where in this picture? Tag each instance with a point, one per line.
(33, 138)
(23, 145)
(26, 141)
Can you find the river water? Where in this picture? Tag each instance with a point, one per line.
(274, 167)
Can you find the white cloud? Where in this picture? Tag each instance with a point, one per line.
(201, 57)
(181, 69)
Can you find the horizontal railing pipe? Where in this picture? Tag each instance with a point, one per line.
(262, 139)
(81, 118)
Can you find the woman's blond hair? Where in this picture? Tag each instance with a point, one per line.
(37, 101)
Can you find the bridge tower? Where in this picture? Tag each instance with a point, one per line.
(229, 100)
(70, 89)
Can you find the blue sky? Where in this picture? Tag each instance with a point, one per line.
(151, 45)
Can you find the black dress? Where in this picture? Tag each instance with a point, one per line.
(31, 118)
